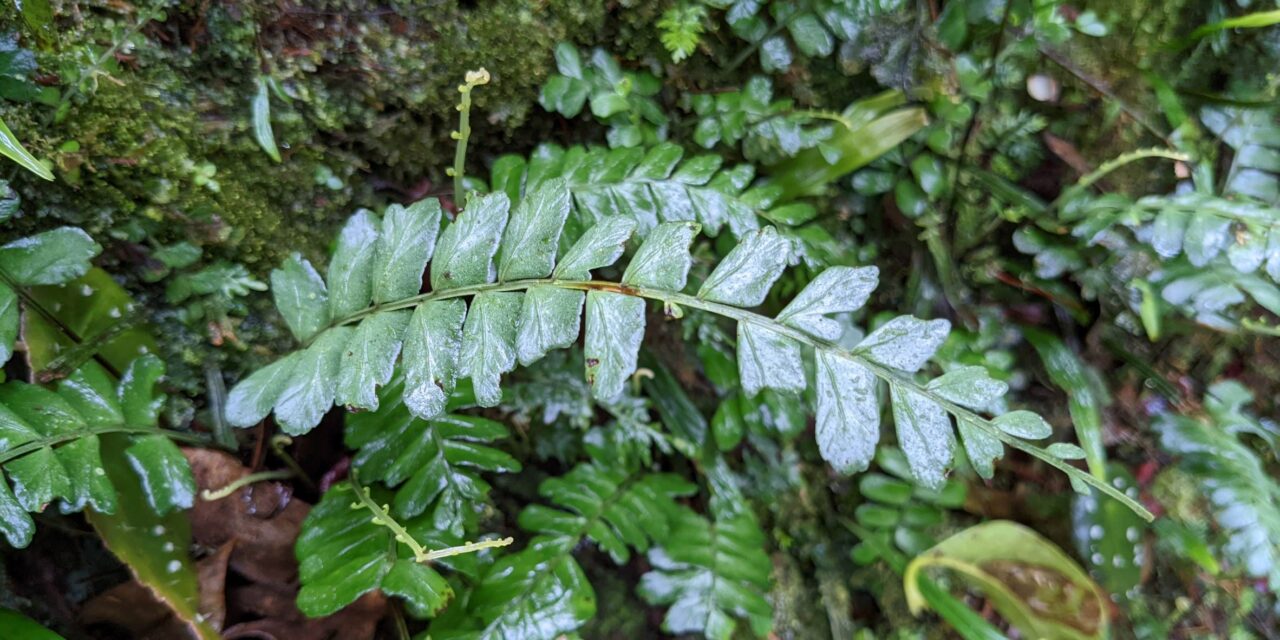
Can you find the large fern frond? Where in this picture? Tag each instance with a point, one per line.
(49, 445)
(527, 298)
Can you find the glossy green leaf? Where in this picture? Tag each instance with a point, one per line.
(848, 416)
(139, 401)
(92, 393)
(489, 343)
(342, 555)
(924, 434)
(369, 359)
(166, 477)
(434, 465)
(8, 322)
(600, 246)
(551, 319)
(615, 329)
(708, 575)
(262, 132)
(744, 276)
(904, 343)
(663, 260)
(539, 592)
(768, 360)
(310, 390)
(1034, 585)
(1110, 537)
(528, 248)
(301, 297)
(432, 344)
(836, 290)
(155, 548)
(351, 269)
(252, 398)
(13, 150)
(405, 246)
(464, 255)
(51, 257)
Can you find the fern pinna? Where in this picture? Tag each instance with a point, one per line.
(524, 302)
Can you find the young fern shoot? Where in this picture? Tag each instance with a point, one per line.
(526, 299)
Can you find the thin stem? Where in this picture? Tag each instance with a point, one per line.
(886, 374)
(278, 443)
(382, 517)
(243, 481)
(473, 79)
(1124, 159)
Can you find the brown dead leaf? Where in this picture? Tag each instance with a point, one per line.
(263, 517)
(132, 607)
(211, 572)
(255, 529)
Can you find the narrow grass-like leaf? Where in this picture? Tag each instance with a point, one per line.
(489, 344)
(12, 149)
(464, 255)
(615, 329)
(262, 121)
(432, 344)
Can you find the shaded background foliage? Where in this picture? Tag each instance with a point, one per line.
(145, 111)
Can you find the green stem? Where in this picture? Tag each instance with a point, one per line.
(886, 374)
(55, 440)
(1128, 158)
(473, 79)
(382, 517)
(243, 481)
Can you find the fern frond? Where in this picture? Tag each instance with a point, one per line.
(1245, 497)
(346, 549)
(53, 257)
(526, 302)
(709, 573)
(49, 445)
(433, 465)
(1254, 135)
(651, 187)
(541, 592)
